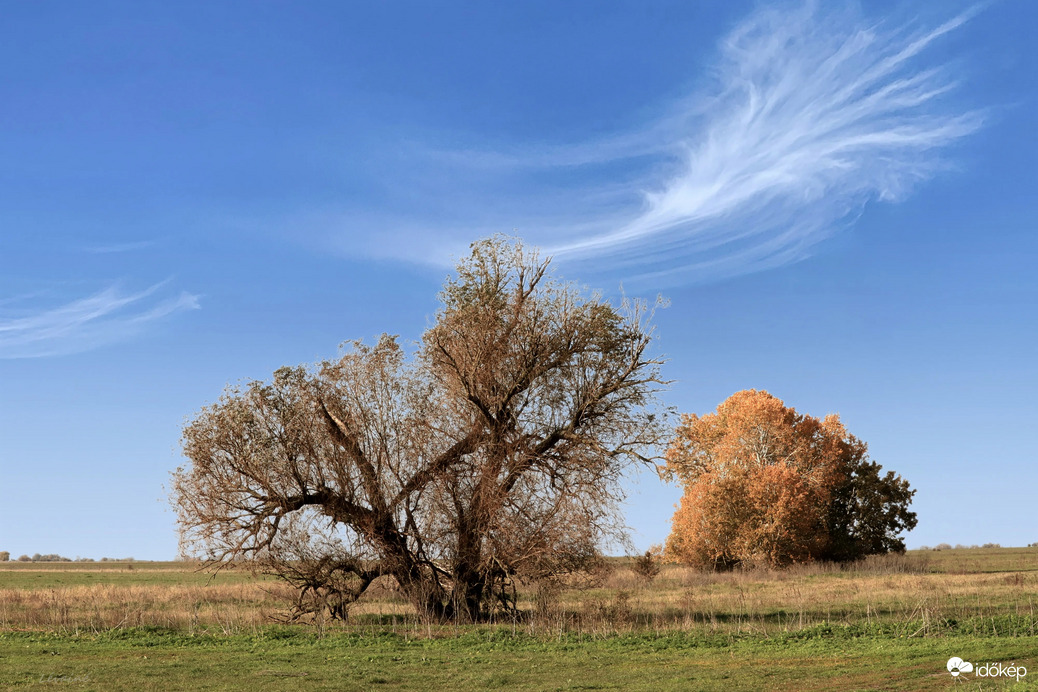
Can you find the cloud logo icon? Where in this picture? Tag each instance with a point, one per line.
(956, 665)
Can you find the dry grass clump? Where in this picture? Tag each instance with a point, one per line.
(232, 607)
(890, 590)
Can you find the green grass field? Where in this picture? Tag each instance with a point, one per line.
(889, 624)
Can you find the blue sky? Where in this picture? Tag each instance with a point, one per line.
(838, 200)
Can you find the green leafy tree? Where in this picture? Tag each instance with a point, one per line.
(868, 511)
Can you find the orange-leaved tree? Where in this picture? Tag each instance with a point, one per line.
(767, 485)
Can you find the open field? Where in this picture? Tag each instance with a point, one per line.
(49, 575)
(884, 624)
(275, 659)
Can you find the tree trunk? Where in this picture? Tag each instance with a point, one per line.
(467, 595)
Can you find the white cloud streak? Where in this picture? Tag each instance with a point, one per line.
(810, 114)
(815, 115)
(116, 248)
(108, 316)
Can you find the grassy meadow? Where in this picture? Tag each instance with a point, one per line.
(888, 623)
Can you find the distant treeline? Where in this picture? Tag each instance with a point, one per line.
(54, 557)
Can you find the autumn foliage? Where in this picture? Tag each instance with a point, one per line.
(495, 452)
(767, 485)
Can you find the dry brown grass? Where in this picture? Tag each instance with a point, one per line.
(766, 601)
(232, 607)
(898, 592)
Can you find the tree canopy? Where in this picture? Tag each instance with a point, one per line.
(765, 484)
(492, 452)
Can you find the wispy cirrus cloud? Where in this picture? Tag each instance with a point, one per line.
(83, 324)
(810, 114)
(116, 248)
(815, 115)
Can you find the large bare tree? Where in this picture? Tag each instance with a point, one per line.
(495, 451)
